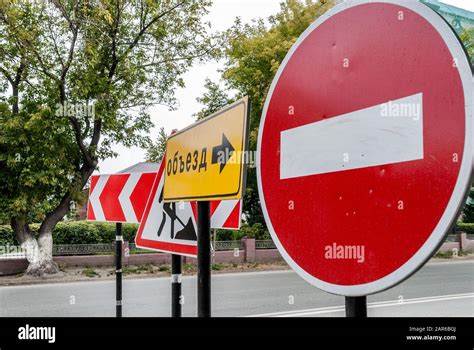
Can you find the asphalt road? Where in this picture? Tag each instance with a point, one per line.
(438, 289)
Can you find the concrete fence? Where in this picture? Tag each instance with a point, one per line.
(460, 242)
(247, 252)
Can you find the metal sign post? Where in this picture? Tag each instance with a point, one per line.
(175, 285)
(118, 269)
(356, 307)
(204, 260)
(205, 162)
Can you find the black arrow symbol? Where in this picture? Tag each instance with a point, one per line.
(222, 153)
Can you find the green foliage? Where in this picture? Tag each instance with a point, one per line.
(77, 232)
(94, 233)
(217, 266)
(252, 54)
(450, 254)
(465, 227)
(467, 38)
(468, 211)
(164, 268)
(156, 151)
(7, 236)
(129, 231)
(89, 272)
(83, 232)
(225, 235)
(213, 100)
(189, 268)
(119, 56)
(89, 232)
(257, 231)
(251, 201)
(138, 269)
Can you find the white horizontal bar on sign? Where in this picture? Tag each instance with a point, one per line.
(387, 133)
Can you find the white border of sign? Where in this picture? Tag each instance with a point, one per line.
(461, 188)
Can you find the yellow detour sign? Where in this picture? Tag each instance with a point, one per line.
(206, 160)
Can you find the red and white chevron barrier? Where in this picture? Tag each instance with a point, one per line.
(226, 214)
(123, 198)
(119, 197)
(172, 228)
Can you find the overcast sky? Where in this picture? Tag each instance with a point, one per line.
(221, 16)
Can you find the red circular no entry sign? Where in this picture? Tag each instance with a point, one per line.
(365, 145)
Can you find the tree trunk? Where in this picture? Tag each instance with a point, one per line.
(44, 263)
(38, 249)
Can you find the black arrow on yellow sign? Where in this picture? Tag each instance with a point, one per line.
(222, 153)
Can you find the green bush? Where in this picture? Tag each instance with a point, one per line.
(89, 272)
(77, 232)
(257, 231)
(7, 236)
(86, 232)
(468, 211)
(224, 235)
(129, 232)
(466, 227)
(217, 266)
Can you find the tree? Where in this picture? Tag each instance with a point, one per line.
(468, 211)
(252, 55)
(467, 38)
(254, 52)
(156, 151)
(213, 100)
(77, 77)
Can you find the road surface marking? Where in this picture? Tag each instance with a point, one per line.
(378, 304)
